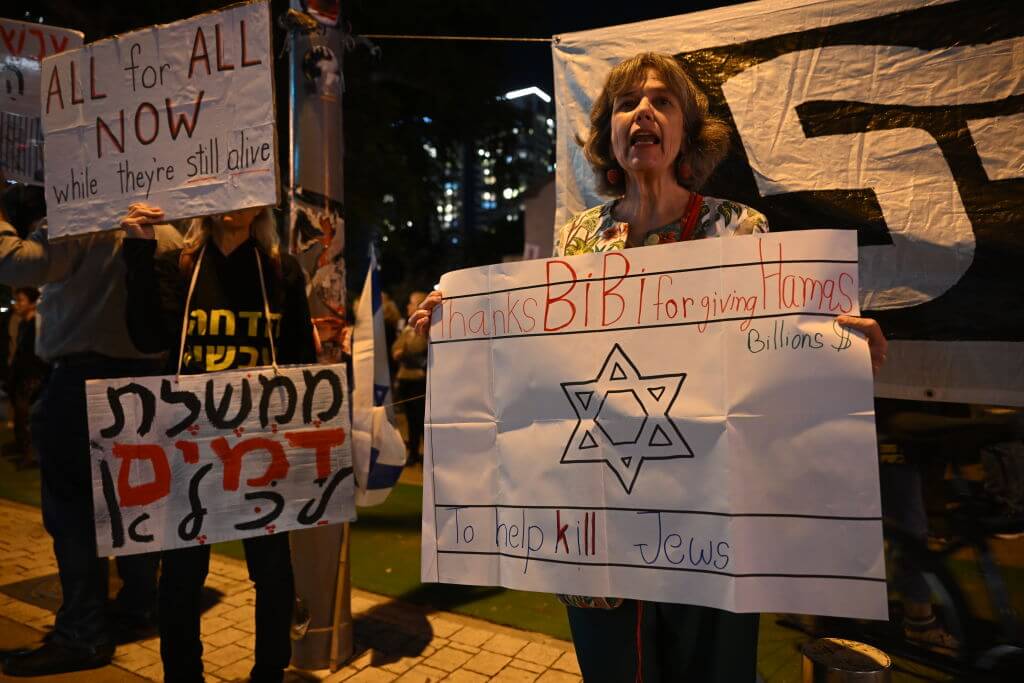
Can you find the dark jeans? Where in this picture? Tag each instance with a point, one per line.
(60, 434)
(673, 643)
(412, 392)
(181, 588)
(903, 503)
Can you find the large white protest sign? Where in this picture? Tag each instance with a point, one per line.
(900, 119)
(22, 49)
(215, 457)
(180, 116)
(684, 423)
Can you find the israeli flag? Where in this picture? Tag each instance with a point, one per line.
(378, 450)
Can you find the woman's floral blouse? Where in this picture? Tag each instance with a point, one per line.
(595, 229)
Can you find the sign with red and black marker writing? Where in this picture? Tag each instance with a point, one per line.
(200, 459)
(22, 48)
(683, 423)
(180, 116)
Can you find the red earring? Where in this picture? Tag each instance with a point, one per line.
(684, 171)
(613, 176)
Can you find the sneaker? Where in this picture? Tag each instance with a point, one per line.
(56, 658)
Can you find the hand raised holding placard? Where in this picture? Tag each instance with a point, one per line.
(138, 223)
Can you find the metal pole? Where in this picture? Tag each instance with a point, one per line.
(342, 641)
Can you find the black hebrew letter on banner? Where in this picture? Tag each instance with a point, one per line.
(622, 418)
(114, 397)
(185, 398)
(312, 380)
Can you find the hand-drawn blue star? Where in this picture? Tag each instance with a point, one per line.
(623, 418)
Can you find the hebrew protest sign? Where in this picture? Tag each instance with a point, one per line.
(683, 423)
(180, 116)
(206, 458)
(902, 120)
(22, 48)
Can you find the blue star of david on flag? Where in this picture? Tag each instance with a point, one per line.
(622, 418)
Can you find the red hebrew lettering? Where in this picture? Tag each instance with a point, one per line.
(142, 494)
(231, 457)
(204, 56)
(38, 35)
(8, 36)
(320, 440)
(58, 47)
(189, 451)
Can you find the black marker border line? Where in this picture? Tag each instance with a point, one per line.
(710, 513)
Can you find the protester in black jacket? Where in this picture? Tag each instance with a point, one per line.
(228, 261)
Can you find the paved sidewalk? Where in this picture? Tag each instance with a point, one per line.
(394, 641)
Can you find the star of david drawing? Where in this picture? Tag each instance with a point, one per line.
(622, 418)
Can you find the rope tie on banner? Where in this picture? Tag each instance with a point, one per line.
(266, 312)
(188, 303)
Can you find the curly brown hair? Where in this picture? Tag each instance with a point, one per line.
(705, 138)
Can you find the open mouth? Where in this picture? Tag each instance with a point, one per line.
(644, 138)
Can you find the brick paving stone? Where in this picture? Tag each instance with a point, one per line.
(151, 644)
(226, 655)
(363, 660)
(240, 614)
(471, 636)
(342, 674)
(213, 624)
(155, 672)
(552, 676)
(238, 670)
(442, 628)
(361, 604)
(226, 636)
(134, 657)
(488, 663)
(439, 642)
(529, 666)
(568, 663)
(447, 659)
(465, 648)
(463, 676)
(423, 674)
(373, 675)
(505, 645)
(511, 674)
(545, 655)
(402, 664)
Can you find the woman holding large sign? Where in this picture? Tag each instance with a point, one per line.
(228, 300)
(652, 144)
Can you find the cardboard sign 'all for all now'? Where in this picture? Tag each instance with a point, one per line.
(179, 116)
(206, 458)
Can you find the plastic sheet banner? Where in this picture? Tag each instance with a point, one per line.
(683, 423)
(217, 457)
(22, 49)
(902, 120)
(179, 115)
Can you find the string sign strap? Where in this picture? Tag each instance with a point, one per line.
(188, 303)
(266, 312)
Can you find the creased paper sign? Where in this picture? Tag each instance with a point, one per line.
(682, 423)
(180, 116)
(23, 46)
(220, 456)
